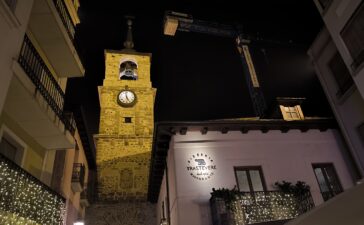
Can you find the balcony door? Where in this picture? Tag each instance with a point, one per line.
(328, 180)
(250, 179)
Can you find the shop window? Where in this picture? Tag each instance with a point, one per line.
(353, 36)
(341, 74)
(291, 112)
(250, 179)
(328, 180)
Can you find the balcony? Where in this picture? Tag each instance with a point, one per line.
(35, 101)
(266, 207)
(51, 25)
(26, 200)
(78, 177)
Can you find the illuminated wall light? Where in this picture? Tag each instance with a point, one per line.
(79, 223)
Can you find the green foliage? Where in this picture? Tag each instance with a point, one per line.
(229, 196)
(299, 189)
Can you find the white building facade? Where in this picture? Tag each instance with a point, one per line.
(338, 58)
(338, 55)
(202, 157)
(42, 153)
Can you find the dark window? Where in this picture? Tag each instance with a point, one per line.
(127, 119)
(353, 36)
(11, 4)
(8, 149)
(325, 3)
(341, 74)
(361, 131)
(250, 179)
(328, 180)
(11, 149)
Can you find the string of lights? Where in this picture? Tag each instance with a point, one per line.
(264, 206)
(270, 206)
(25, 200)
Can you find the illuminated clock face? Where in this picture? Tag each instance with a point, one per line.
(126, 98)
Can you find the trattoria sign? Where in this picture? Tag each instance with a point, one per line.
(201, 166)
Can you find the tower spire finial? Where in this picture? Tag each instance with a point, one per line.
(128, 43)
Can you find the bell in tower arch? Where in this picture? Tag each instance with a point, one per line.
(128, 70)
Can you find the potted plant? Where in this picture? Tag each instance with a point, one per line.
(229, 196)
(224, 206)
(299, 189)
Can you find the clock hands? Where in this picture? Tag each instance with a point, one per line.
(127, 97)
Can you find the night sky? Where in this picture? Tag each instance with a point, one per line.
(199, 76)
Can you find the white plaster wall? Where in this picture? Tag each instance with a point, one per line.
(12, 30)
(335, 18)
(348, 109)
(282, 156)
(161, 198)
(172, 204)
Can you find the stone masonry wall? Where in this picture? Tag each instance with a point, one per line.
(122, 213)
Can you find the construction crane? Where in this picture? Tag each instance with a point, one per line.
(175, 21)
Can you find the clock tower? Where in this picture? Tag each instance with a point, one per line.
(124, 142)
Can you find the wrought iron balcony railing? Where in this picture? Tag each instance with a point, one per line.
(78, 177)
(38, 72)
(26, 200)
(66, 18)
(273, 205)
(259, 207)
